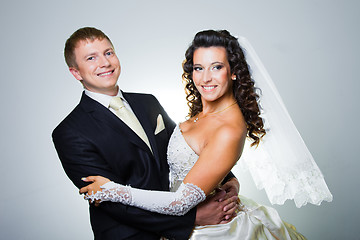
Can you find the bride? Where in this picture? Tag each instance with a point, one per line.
(224, 114)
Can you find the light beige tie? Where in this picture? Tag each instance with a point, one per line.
(129, 118)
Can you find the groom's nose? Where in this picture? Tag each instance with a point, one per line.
(104, 62)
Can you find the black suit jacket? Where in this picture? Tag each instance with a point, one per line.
(91, 140)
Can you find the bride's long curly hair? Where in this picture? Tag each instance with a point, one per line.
(243, 87)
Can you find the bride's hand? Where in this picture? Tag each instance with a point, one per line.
(97, 182)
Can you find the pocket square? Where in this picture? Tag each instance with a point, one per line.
(159, 124)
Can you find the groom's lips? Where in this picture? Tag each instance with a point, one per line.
(103, 74)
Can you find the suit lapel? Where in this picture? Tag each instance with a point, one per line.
(144, 118)
(101, 114)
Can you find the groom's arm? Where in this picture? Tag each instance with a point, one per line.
(80, 158)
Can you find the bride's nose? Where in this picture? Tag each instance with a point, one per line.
(207, 77)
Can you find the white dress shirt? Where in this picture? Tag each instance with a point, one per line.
(104, 99)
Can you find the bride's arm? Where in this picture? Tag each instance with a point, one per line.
(215, 161)
(170, 203)
(217, 158)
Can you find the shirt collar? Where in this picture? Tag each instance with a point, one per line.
(103, 99)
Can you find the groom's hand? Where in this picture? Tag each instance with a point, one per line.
(232, 188)
(211, 211)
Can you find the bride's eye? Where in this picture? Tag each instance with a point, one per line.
(197, 68)
(217, 67)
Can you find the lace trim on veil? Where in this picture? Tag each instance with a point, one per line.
(281, 164)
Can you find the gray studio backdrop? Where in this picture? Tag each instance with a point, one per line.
(310, 49)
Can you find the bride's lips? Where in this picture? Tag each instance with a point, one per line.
(208, 88)
(107, 73)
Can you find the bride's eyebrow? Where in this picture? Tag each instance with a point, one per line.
(214, 63)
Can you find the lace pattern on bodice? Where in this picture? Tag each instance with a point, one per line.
(181, 158)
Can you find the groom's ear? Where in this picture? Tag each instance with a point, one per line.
(75, 73)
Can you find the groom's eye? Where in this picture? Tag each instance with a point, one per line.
(109, 53)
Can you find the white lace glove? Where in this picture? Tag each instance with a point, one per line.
(171, 203)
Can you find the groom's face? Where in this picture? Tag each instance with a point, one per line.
(98, 67)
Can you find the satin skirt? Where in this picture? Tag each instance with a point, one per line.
(254, 221)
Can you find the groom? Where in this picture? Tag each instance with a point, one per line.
(93, 140)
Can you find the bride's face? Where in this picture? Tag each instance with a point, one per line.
(211, 73)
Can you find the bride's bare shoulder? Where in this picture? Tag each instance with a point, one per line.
(185, 126)
(232, 128)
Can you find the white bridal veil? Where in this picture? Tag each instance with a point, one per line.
(281, 164)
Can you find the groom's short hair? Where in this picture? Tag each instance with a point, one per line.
(82, 34)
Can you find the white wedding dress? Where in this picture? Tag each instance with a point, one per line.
(254, 221)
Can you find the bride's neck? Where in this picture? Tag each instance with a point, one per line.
(215, 106)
